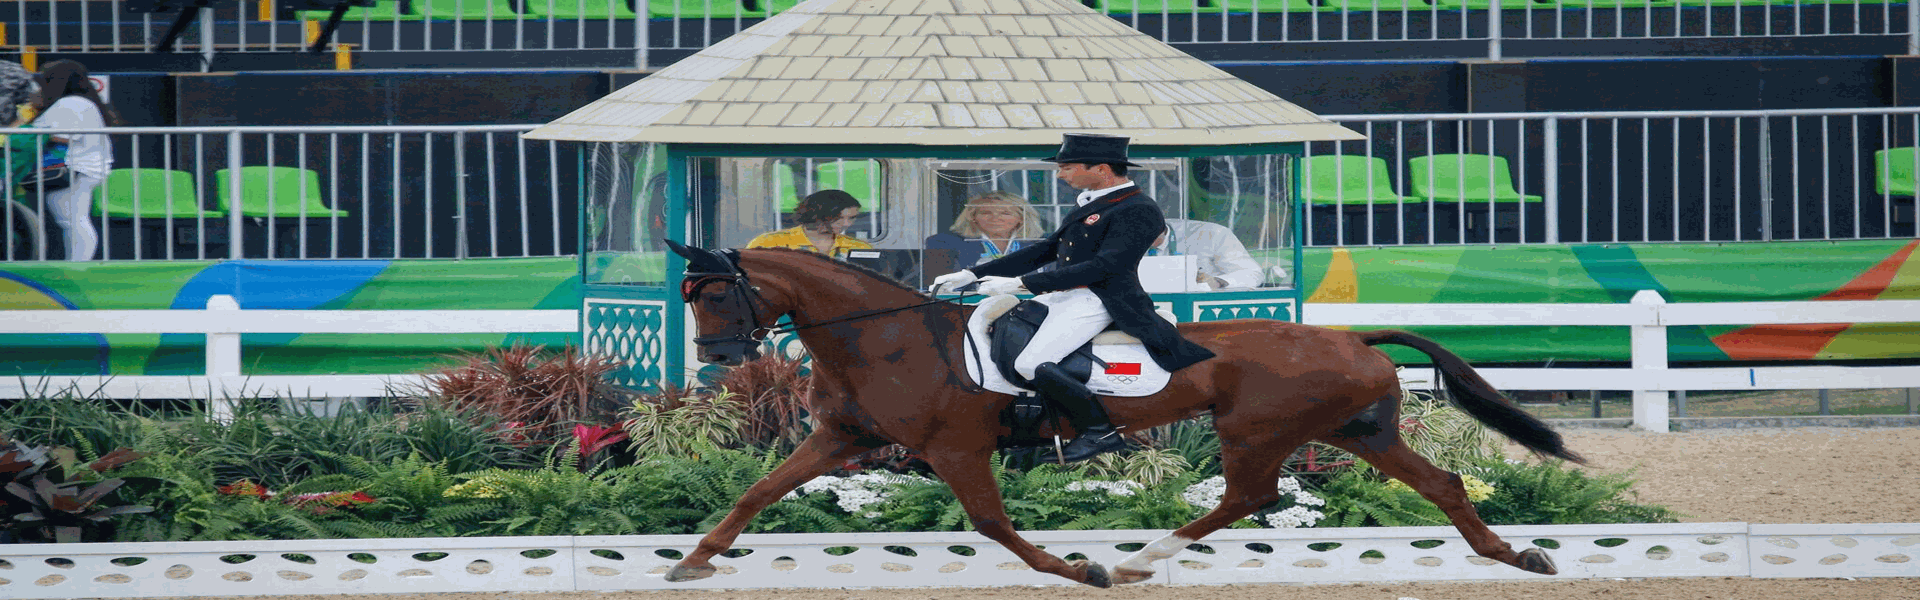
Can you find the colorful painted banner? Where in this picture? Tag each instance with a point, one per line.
(1814, 271)
(537, 283)
(1783, 271)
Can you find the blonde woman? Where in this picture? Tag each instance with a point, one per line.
(991, 225)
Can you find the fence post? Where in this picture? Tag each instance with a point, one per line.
(1493, 32)
(1913, 401)
(223, 360)
(236, 240)
(1650, 365)
(1551, 195)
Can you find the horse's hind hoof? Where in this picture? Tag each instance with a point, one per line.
(684, 573)
(1096, 574)
(1536, 560)
(1123, 575)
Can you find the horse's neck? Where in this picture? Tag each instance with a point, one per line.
(822, 295)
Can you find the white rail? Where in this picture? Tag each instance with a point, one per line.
(938, 559)
(1648, 316)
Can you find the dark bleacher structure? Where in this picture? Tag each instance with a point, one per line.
(474, 62)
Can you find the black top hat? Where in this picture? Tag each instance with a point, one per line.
(1092, 149)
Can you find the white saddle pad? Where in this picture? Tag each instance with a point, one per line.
(1131, 372)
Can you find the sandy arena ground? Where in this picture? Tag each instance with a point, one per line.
(1755, 475)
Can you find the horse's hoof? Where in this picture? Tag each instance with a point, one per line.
(1536, 560)
(1096, 574)
(684, 573)
(1123, 576)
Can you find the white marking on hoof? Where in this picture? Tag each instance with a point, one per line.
(1160, 549)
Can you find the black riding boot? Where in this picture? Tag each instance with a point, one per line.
(1083, 410)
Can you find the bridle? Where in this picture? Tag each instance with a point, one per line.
(748, 295)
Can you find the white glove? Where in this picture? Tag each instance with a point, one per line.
(995, 286)
(946, 283)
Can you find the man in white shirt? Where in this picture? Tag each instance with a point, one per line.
(1224, 263)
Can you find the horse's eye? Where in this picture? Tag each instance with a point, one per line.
(716, 298)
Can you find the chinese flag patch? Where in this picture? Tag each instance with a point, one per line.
(1123, 368)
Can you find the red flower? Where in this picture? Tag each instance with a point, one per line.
(245, 488)
(594, 438)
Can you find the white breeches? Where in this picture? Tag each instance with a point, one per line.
(1073, 318)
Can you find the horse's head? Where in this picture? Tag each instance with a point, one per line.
(731, 315)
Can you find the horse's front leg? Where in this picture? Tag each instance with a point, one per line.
(970, 474)
(823, 450)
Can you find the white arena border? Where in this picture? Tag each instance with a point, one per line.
(544, 564)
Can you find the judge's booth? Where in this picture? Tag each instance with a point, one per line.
(1231, 250)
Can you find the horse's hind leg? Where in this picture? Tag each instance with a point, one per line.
(821, 451)
(970, 474)
(1445, 490)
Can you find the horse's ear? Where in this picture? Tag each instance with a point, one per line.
(679, 248)
(699, 260)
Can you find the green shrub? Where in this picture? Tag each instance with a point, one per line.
(1549, 493)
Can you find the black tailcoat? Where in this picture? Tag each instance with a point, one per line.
(1099, 247)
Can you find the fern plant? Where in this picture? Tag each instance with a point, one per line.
(1549, 493)
(1356, 498)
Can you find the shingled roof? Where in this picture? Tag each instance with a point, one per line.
(940, 72)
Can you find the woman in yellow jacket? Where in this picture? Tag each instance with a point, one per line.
(824, 217)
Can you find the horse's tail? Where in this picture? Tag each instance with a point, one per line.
(1474, 395)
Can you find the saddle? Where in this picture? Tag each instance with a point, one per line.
(1113, 364)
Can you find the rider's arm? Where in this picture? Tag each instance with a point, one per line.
(1019, 262)
(1128, 237)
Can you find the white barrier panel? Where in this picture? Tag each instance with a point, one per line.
(1870, 550)
(1395, 553)
(278, 568)
(940, 559)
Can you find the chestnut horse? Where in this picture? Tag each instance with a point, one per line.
(887, 370)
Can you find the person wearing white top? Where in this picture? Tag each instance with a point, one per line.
(68, 101)
(1224, 262)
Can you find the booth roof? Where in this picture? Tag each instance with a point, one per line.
(941, 73)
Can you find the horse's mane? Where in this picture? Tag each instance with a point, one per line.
(882, 277)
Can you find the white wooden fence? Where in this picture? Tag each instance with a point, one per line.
(1648, 315)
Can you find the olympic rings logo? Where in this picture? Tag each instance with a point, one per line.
(1123, 379)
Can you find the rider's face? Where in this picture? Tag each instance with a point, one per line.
(1083, 177)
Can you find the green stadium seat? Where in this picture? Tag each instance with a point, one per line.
(785, 188)
(578, 9)
(1486, 4)
(1155, 7)
(467, 10)
(1381, 5)
(718, 9)
(1348, 179)
(1273, 6)
(150, 194)
(1463, 178)
(279, 192)
(1893, 172)
(384, 10)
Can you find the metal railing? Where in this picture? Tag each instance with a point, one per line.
(1678, 176)
(318, 192)
(481, 191)
(679, 25)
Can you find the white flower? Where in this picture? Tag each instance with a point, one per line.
(1206, 494)
(853, 494)
(1112, 488)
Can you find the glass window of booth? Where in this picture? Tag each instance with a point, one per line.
(1227, 217)
(626, 214)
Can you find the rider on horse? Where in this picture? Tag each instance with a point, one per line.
(1094, 282)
